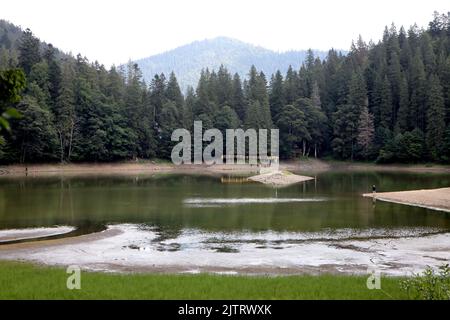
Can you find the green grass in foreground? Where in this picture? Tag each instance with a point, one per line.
(25, 281)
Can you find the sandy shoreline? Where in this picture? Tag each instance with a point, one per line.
(436, 199)
(150, 167)
(32, 233)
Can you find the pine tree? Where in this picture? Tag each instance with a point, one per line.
(315, 125)
(65, 119)
(357, 90)
(157, 96)
(188, 111)
(366, 131)
(436, 119)
(54, 74)
(237, 97)
(293, 130)
(224, 89)
(418, 92)
(403, 117)
(385, 104)
(429, 58)
(173, 92)
(226, 118)
(256, 95)
(276, 95)
(291, 85)
(345, 131)
(29, 51)
(169, 122)
(205, 104)
(34, 134)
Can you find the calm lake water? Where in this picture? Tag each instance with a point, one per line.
(173, 203)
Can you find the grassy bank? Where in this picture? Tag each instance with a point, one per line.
(25, 281)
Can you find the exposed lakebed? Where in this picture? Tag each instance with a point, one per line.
(194, 223)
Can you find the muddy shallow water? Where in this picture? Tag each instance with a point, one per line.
(192, 223)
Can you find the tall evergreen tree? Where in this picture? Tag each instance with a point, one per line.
(173, 92)
(29, 51)
(237, 97)
(366, 132)
(436, 119)
(276, 97)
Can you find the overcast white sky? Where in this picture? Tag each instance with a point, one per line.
(113, 31)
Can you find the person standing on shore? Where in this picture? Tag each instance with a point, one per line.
(374, 191)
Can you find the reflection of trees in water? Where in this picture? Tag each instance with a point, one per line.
(158, 201)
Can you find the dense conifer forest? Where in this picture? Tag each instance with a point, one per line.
(386, 102)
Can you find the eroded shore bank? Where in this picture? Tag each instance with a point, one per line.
(150, 167)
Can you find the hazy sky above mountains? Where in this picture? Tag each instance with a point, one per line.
(114, 31)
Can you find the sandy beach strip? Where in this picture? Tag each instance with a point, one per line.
(436, 199)
(32, 233)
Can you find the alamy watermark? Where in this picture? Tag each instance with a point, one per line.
(374, 279)
(74, 280)
(236, 143)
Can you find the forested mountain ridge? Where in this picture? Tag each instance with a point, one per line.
(188, 60)
(388, 101)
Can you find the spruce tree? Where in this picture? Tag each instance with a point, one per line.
(237, 97)
(29, 51)
(366, 131)
(276, 95)
(173, 92)
(436, 119)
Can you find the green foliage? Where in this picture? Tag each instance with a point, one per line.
(226, 118)
(430, 285)
(388, 102)
(446, 155)
(365, 132)
(406, 147)
(34, 134)
(29, 51)
(436, 119)
(169, 122)
(24, 281)
(12, 83)
(345, 129)
(293, 129)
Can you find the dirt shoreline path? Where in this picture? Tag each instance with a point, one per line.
(151, 167)
(436, 199)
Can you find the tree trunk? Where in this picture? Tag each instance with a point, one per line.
(72, 129)
(61, 144)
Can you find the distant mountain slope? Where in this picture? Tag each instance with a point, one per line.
(188, 60)
(9, 40)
